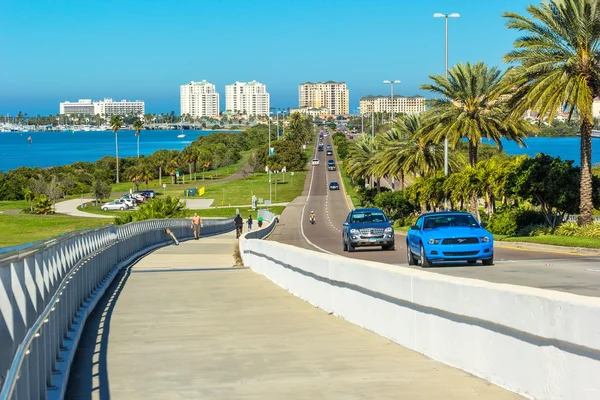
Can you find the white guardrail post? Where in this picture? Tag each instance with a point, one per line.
(48, 288)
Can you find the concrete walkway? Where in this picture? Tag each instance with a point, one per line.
(183, 324)
(69, 207)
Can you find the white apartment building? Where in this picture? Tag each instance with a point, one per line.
(248, 98)
(199, 99)
(402, 104)
(596, 108)
(82, 106)
(312, 111)
(105, 108)
(334, 96)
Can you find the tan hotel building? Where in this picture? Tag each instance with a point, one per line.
(333, 96)
(402, 104)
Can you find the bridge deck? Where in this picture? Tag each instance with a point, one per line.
(189, 326)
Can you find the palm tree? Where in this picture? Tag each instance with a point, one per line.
(116, 123)
(138, 125)
(471, 109)
(558, 67)
(358, 164)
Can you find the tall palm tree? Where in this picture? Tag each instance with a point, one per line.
(116, 123)
(138, 125)
(471, 109)
(360, 153)
(558, 67)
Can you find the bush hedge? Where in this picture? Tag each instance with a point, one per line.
(513, 221)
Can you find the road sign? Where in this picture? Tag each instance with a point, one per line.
(164, 185)
(177, 174)
(283, 169)
(261, 200)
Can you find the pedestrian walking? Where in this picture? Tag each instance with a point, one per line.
(260, 221)
(196, 225)
(249, 221)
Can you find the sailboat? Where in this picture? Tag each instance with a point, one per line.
(181, 135)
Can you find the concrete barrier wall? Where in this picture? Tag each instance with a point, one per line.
(539, 343)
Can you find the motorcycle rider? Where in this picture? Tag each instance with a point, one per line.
(312, 217)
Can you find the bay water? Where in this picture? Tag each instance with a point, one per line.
(60, 148)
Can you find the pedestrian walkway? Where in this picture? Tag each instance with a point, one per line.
(183, 323)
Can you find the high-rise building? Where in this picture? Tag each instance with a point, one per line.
(249, 98)
(199, 99)
(105, 108)
(330, 95)
(402, 104)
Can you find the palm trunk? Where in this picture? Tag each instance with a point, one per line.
(160, 174)
(190, 165)
(475, 206)
(586, 205)
(472, 154)
(402, 180)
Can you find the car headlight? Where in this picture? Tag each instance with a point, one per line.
(484, 239)
(389, 229)
(434, 241)
(354, 231)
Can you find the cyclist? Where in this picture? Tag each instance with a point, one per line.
(312, 217)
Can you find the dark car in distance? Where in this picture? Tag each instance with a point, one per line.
(320, 148)
(334, 186)
(331, 165)
(367, 227)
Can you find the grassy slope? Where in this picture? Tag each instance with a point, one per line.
(13, 205)
(24, 228)
(221, 172)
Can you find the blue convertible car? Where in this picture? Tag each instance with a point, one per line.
(449, 236)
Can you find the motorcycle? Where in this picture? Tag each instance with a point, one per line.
(312, 220)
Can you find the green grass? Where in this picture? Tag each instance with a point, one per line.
(25, 228)
(239, 192)
(219, 173)
(210, 212)
(554, 240)
(13, 205)
(227, 212)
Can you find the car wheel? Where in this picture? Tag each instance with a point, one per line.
(104, 208)
(489, 261)
(350, 247)
(122, 208)
(344, 246)
(409, 255)
(425, 263)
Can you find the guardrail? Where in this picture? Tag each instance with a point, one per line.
(263, 232)
(539, 343)
(573, 218)
(47, 291)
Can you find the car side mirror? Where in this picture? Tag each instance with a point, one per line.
(346, 224)
(391, 221)
(484, 224)
(414, 228)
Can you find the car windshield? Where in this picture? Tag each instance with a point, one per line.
(445, 221)
(367, 217)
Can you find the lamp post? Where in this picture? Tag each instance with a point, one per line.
(268, 154)
(446, 16)
(391, 83)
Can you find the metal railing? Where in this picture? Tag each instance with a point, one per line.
(48, 289)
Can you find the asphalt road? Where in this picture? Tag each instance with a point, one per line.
(554, 270)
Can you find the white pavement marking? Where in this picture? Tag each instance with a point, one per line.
(312, 176)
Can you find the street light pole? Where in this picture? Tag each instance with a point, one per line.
(446, 16)
(268, 154)
(391, 83)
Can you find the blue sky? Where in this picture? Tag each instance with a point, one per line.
(56, 50)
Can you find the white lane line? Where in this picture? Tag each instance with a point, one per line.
(312, 176)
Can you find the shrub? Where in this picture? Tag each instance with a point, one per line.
(568, 229)
(534, 230)
(510, 220)
(395, 205)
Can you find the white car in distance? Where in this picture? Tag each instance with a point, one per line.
(315, 161)
(114, 205)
